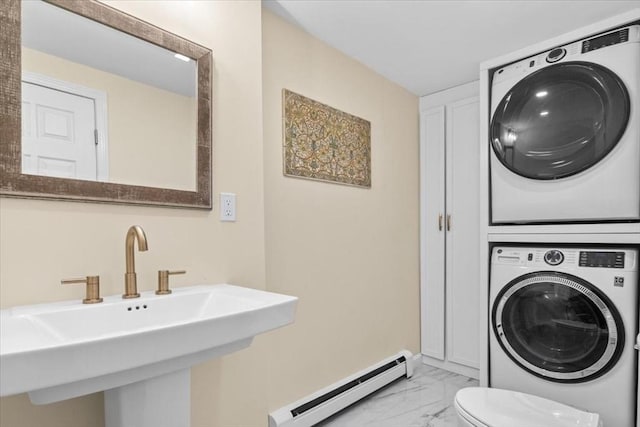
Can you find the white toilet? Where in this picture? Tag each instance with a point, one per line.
(491, 407)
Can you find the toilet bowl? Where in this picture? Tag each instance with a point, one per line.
(490, 407)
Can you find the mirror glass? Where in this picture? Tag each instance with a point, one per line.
(99, 104)
(106, 79)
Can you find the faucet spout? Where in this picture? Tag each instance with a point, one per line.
(134, 233)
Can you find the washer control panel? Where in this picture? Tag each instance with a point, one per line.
(545, 258)
(604, 259)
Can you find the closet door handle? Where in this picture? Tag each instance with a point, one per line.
(448, 222)
(440, 222)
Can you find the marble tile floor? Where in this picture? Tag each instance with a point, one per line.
(424, 400)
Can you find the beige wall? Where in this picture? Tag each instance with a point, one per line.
(44, 241)
(152, 132)
(350, 254)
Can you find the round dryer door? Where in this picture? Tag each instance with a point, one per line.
(560, 120)
(558, 327)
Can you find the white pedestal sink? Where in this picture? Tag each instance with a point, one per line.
(139, 350)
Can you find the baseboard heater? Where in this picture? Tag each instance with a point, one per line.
(324, 403)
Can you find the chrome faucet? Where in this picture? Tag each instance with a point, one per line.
(130, 286)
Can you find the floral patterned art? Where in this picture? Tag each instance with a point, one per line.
(325, 144)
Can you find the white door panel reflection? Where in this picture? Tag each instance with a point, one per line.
(60, 139)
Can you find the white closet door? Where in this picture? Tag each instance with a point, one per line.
(432, 129)
(462, 242)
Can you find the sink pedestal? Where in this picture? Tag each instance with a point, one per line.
(163, 401)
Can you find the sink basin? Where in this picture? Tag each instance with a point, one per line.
(62, 350)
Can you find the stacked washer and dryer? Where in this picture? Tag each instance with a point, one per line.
(565, 149)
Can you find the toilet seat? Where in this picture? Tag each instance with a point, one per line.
(485, 407)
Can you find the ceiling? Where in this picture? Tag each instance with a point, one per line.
(427, 46)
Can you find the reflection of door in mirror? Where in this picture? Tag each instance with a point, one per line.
(60, 130)
(150, 95)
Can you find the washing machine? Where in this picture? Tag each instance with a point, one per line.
(564, 323)
(565, 133)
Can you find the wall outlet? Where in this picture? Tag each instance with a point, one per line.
(227, 207)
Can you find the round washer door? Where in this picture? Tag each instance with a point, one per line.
(558, 327)
(560, 120)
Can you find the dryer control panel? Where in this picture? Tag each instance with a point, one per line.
(569, 52)
(609, 39)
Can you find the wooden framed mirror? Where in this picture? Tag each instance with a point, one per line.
(113, 180)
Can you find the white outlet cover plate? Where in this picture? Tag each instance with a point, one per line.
(227, 207)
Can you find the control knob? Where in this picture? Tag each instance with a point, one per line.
(556, 55)
(553, 257)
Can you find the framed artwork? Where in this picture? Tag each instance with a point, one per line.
(325, 144)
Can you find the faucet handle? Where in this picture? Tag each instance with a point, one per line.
(92, 290)
(163, 281)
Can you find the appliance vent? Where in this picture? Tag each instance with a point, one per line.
(330, 400)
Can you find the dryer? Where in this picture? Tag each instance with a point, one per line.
(565, 133)
(563, 326)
